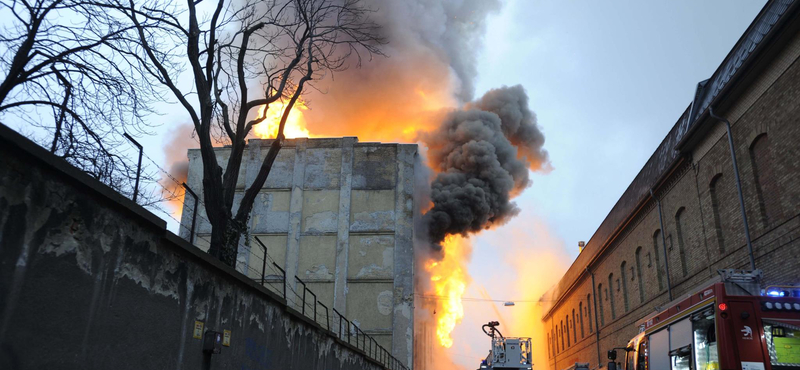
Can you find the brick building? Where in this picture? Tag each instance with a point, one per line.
(623, 275)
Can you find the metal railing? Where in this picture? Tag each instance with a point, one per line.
(341, 327)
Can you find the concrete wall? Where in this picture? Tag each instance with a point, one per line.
(89, 280)
(701, 214)
(337, 214)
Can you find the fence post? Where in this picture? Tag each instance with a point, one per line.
(263, 260)
(138, 166)
(284, 280)
(303, 310)
(327, 316)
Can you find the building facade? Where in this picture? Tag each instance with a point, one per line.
(338, 214)
(680, 219)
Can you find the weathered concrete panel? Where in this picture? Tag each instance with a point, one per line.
(370, 169)
(280, 176)
(276, 252)
(320, 209)
(369, 304)
(372, 210)
(383, 339)
(324, 292)
(323, 167)
(317, 259)
(271, 212)
(89, 280)
(371, 257)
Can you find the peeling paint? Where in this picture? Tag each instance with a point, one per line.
(321, 222)
(385, 302)
(319, 272)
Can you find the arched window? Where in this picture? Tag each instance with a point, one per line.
(580, 317)
(548, 345)
(611, 296)
(681, 243)
(553, 341)
(713, 191)
(624, 285)
(574, 328)
(589, 311)
(567, 332)
(766, 188)
(639, 274)
(600, 305)
(562, 335)
(657, 253)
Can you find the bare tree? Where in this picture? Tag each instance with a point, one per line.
(58, 77)
(244, 57)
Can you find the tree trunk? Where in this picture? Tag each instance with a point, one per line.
(225, 242)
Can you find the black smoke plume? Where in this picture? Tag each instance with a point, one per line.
(482, 155)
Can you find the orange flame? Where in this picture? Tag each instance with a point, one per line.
(449, 283)
(295, 123)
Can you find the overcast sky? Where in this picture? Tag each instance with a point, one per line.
(607, 80)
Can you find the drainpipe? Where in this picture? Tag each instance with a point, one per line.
(738, 186)
(663, 243)
(596, 323)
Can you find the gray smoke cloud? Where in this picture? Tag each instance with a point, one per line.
(482, 155)
(451, 30)
(431, 59)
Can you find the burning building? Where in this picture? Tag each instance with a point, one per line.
(338, 214)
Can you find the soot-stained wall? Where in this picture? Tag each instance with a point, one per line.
(89, 280)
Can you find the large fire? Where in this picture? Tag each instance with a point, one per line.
(295, 123)
(449, 282)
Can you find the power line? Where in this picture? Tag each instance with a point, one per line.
(471, 299)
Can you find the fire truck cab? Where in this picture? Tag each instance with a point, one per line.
(725, 325)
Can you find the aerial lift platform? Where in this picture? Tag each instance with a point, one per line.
(506, 353)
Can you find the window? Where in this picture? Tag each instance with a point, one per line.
(705, 340)
(567, 332)
(642, 355)
(656, 236)
(600, 306)
(580, 316)
(766, 188)
(712, 191)
(639, 273)
(574, 329)
(681, 247)
(611, 296)
(549, 347)
(562, 335)
(624, 286)
(589, 311)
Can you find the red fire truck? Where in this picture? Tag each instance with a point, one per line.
(726, 325)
